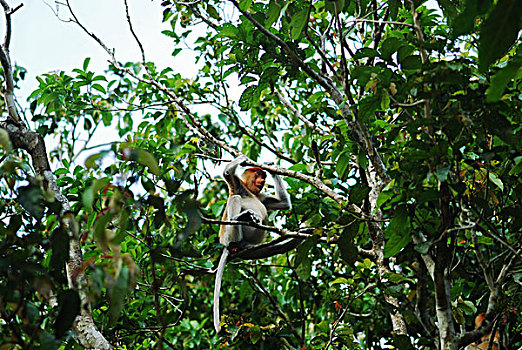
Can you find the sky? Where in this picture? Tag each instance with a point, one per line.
(42, 43)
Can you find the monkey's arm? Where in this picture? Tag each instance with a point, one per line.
(235, 185)
(281, 200)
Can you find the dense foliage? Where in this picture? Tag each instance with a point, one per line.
(396, 127)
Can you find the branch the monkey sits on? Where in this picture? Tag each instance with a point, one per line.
(245, 203)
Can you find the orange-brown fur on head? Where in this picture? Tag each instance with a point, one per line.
(254, 179)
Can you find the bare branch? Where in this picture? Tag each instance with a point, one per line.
(298, 114)
(482, 262)
(274, 304)
(5, 60)
(359, 20)
(134, 33)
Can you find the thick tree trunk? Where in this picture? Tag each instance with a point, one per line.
(33, 143)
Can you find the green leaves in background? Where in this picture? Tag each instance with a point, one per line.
(143, 157)
(513, 70)
(397, 232)
(31, 198)
(499, 32)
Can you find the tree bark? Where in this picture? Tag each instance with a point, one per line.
(33, 143)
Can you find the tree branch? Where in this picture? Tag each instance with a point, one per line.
(298, 114)
(34, 144)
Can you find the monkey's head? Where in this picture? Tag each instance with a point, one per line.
(254, 179)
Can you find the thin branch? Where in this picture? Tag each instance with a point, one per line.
(323, 81)
(92, 35)
(381, 22)
(5, 60)
(323, 56)
(298, 114)
(255, 139)
(198, 14)
(424, 56)
(339, 319)
(274, 304)
(482, 262)
(134, 33)
(498, 238)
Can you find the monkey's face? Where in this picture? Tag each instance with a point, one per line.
(255, 179)
(259, 181)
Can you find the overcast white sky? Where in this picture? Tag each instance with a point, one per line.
(41, 43)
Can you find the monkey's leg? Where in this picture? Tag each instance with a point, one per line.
(233, 233)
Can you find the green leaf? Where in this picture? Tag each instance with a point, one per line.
(517, 169)
(396, 243)
(334, 6)
(298, 23)
(86, 63)
(403, 342)
(383, 197)
(48, 341)
(347, 247)
(394, 5)
(493, 178)
(442, 173)
(397, 232)
(99, 88)
(339, 280)
(61, 171)
(59, 251)
(304, 269)
(69, 308)
(366, 52)
(358, 193)
(399, 223)
(229, 30)
(244, 5)
(273, 13)
(342, 168)
(5, 142)
(499, 32)
(411, 63)
(30, 197)
(465, 21)
(144, 158)
(368, 105)
(91, 161)
(502, 78)
(118, 293)
(89, 194)
(212, 12)
(245, 101)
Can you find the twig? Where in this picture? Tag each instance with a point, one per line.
(274, 304)
(298, 114)
(380, 22)
(424, 56)
(134, 33)
(482, 262)
(254, 138)
(339, 319)
(6, 65)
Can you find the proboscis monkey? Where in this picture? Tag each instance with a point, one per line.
(245, 203)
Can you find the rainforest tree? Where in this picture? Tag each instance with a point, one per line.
(395, 124)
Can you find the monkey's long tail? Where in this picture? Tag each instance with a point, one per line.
(217, 288)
